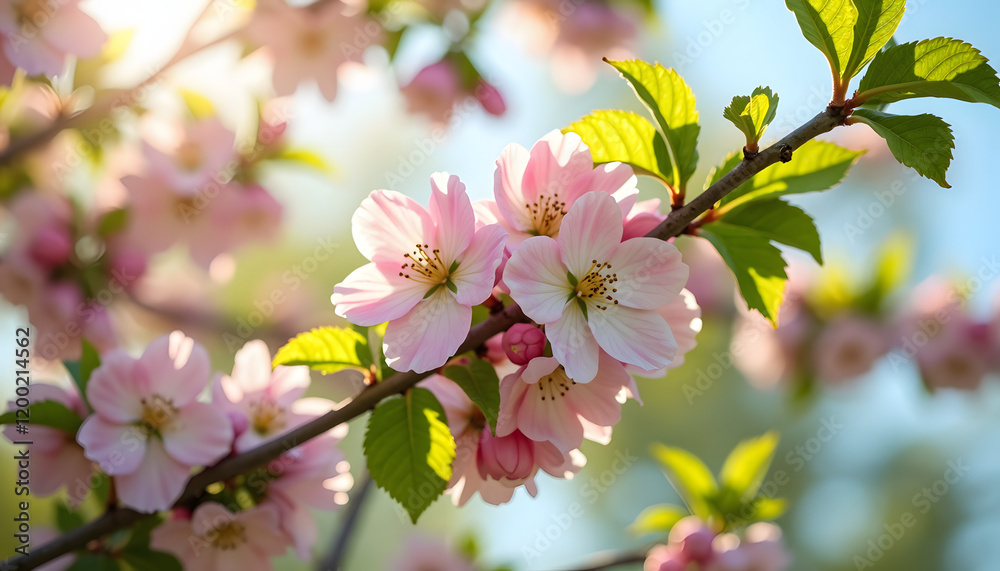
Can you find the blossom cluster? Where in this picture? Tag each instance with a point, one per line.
(834, 342)
(694, 546)
(564, 240)
(144, 428)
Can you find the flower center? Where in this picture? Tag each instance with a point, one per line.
(556, 384)
(227, 536)
(312, 43)
(157, 413)
(546, 215)
(267, 416)
(424, 265)
(596, 286)
(185, 208)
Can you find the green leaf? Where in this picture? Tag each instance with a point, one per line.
(149, 559)
(732, 160)
(746, 466)
(657, 519)
(326, 349)
(112, 222)
(66, 519)
(480, 382)
(877, 22)
(921, 142)
(757, 265)
(766, 509)
(47, 413)
(752, 113)
(616, 135)
(306, 158)
(778, 221)
(671, 103)
(90, 359)
(200, 106)
(410, 449)
(95, 562)
(891, 270)
(828, 25)
(816, 165)
(942, 67)
(689, 476)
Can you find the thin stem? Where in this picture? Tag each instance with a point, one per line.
(608, 560)
(676, 222)
(337, 553)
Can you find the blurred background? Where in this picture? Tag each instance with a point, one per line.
(856, 453)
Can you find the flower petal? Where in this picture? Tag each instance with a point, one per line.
(118, 448)
(557, 161)
(252, 366)
(650, 273)
(476, 273)
(537, 279)
(115, 388)
(371, 296)
(388, 224)
(451, 211)
(200, 435)
(156, 484)
(178, 367)
(507, 186)
(428, 335)
(591, 230)
(634, 336)
(574, 345)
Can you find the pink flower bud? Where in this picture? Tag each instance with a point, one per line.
(511, 457)
(51, 246)
(127, 267)
(698, 545)
(523, 342)
(489, 97)
(672, 565)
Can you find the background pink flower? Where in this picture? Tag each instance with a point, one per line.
(36, 35)
(148, 430)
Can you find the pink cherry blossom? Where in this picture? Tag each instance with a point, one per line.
(494, 466)
(310, 43)
(642, 218)
(541, 401)
(434, 91)
(313, 475)
(591, 290)
(216, 539)
(523, 342)
(428, 268)
(535, 189)
(848, 347)
(683, 315)
(269, 400)
(188, 158)
(422, 553)
(56, 458)
(37, 35)
(148, 430)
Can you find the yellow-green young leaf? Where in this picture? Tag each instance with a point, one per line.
(657, 519)
(816, 165)
(326, 349)
(306, 158)
(112, 222)
(757, 265)
(766, 509)
(942, 67)
(752, 114)
(47, 413)
(828, 25)
(732, 159)
(891, 270)
(410, 449)
(921, 142)
(777, 221)
(616, 135)
(481, 384)
(200, 106)
(877, 22)
(672, 105)
(689, 476)
(747, 465)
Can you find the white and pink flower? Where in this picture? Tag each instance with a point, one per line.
(428, 268)
(848, 347)
(216, 539)
(592, 291)
(37, 35)
(149, 430)
(535, 189)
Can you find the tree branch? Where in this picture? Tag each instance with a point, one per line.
(607, 560)
(676, 222)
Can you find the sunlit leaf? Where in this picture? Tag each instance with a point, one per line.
(828, 25)
(778, 221)
(747, 465)
(657, 519)
(752, 113)
(921, 142)
(877, 22)
(326, 349)
(689, 476)
(757, 265)
(624, 136)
